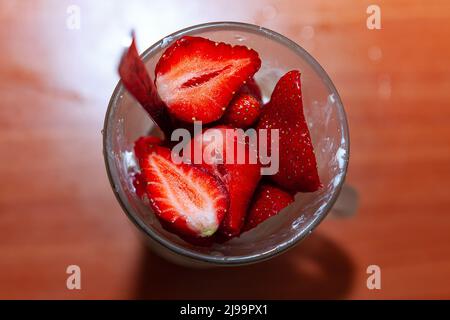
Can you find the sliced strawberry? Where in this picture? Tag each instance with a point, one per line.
(243, 111)
(298, 168)
(197, 77)
(267, 202)
(189, 199)
(139, 184)
(137, 81)
(239, 173)
(144, 145)
(195, 240)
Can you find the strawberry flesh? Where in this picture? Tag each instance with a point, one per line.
(137, 81)
(188, 198)
(268, 201)
(197, 77)
(298, 167)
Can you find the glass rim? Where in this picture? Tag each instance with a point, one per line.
(280, 248)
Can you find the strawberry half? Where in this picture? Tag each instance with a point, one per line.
(298, 167)
(240, 177)
(268, 202)
(144, 145)
(137, 81)
(188, 199)
(197, 77)
(243, 111)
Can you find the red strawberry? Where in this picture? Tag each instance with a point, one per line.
(298, 168)
(268, 201)
(144, 145)
(251, 87)
(139, 183)
(197, 77)
(240, 177)
(137, 81)
(243, 111)
(189, 199)
(195, 240)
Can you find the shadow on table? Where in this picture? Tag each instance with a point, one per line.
(316, 268)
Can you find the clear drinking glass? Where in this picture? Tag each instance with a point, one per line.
(125, 121)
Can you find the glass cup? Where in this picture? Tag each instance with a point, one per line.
(126, 120)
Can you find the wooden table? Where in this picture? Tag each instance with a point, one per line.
(57, 208)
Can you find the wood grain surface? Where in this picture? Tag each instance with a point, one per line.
(57, 207)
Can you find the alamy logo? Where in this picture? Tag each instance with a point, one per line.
(73, 281)
(242, 147)
(73, 21)
(374, 279)
(374, 19)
